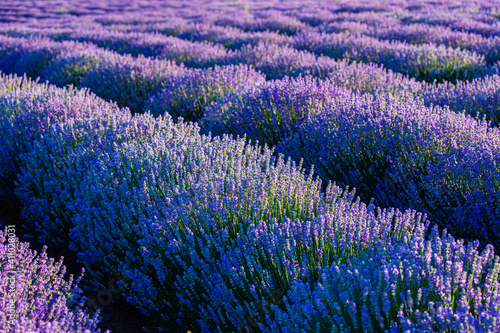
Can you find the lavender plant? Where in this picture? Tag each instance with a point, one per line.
(426, 285)
(26, 114)
(442, 35)
(190, 93)
(274, 61)
(424, 62)
(30, 56)
(271, 111)
(362, 142)
(181, 217)
(53, 171)
(235, 41)
(129, 81)
(72, 67)
(480, 98)
(192, 54)
(35, 295)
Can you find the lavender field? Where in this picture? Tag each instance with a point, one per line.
(250, 166)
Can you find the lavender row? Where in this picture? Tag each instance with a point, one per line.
(196, 221)
(442, 35)
(27, 110)
(428, 284)
(402, 153)
(35, 295)
(192, 54)
(130, 82)
(479, 98)
(424, 62)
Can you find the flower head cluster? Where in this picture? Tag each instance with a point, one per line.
(27, 112)
(188, 94)
(424, 62)
(35, 295)
(271, 111)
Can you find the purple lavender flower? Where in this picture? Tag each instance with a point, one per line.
(35, 295)
(190, 93)
(26, 113)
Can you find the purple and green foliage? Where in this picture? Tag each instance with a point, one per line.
(396, 102)
(35, 295)
(405, 155)
(129, 81)
(273, 60)
(29, 56)
(26, 113)
(426, 62)
(479, 98)
(72, 67)
(236, 40)
(53, 170)
(442, 35)
(269, 20)
(200, 221)
(269, 112)
(192, 54)
(189, 93)
(437, 284)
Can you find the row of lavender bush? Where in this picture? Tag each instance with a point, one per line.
(186, 96)
(402, 153)
(182, 98)
(239, 224)
(35, 297)
(196, 220)
(128, 81)
(133, 81)
(427, 62)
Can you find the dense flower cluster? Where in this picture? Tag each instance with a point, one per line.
(424, 62)
(27, 112)
(428, 285)
(188, 94)
(269, 112)
(183, 215)
(35, 295)
(53, 169)
(129, 81)
(30, 55)
(479, 98)
(408, 155)
(442, 35)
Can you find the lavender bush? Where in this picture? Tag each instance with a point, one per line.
(25, 114)
(192, 54)
(53, 170)
(188, 94)
(480, 98)
(424, 62)
(361, 142)
(72, 67)
(35, 295)
(127, 80)
(273, 60)
(416, 285)
(207, 200)
(271, 111)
